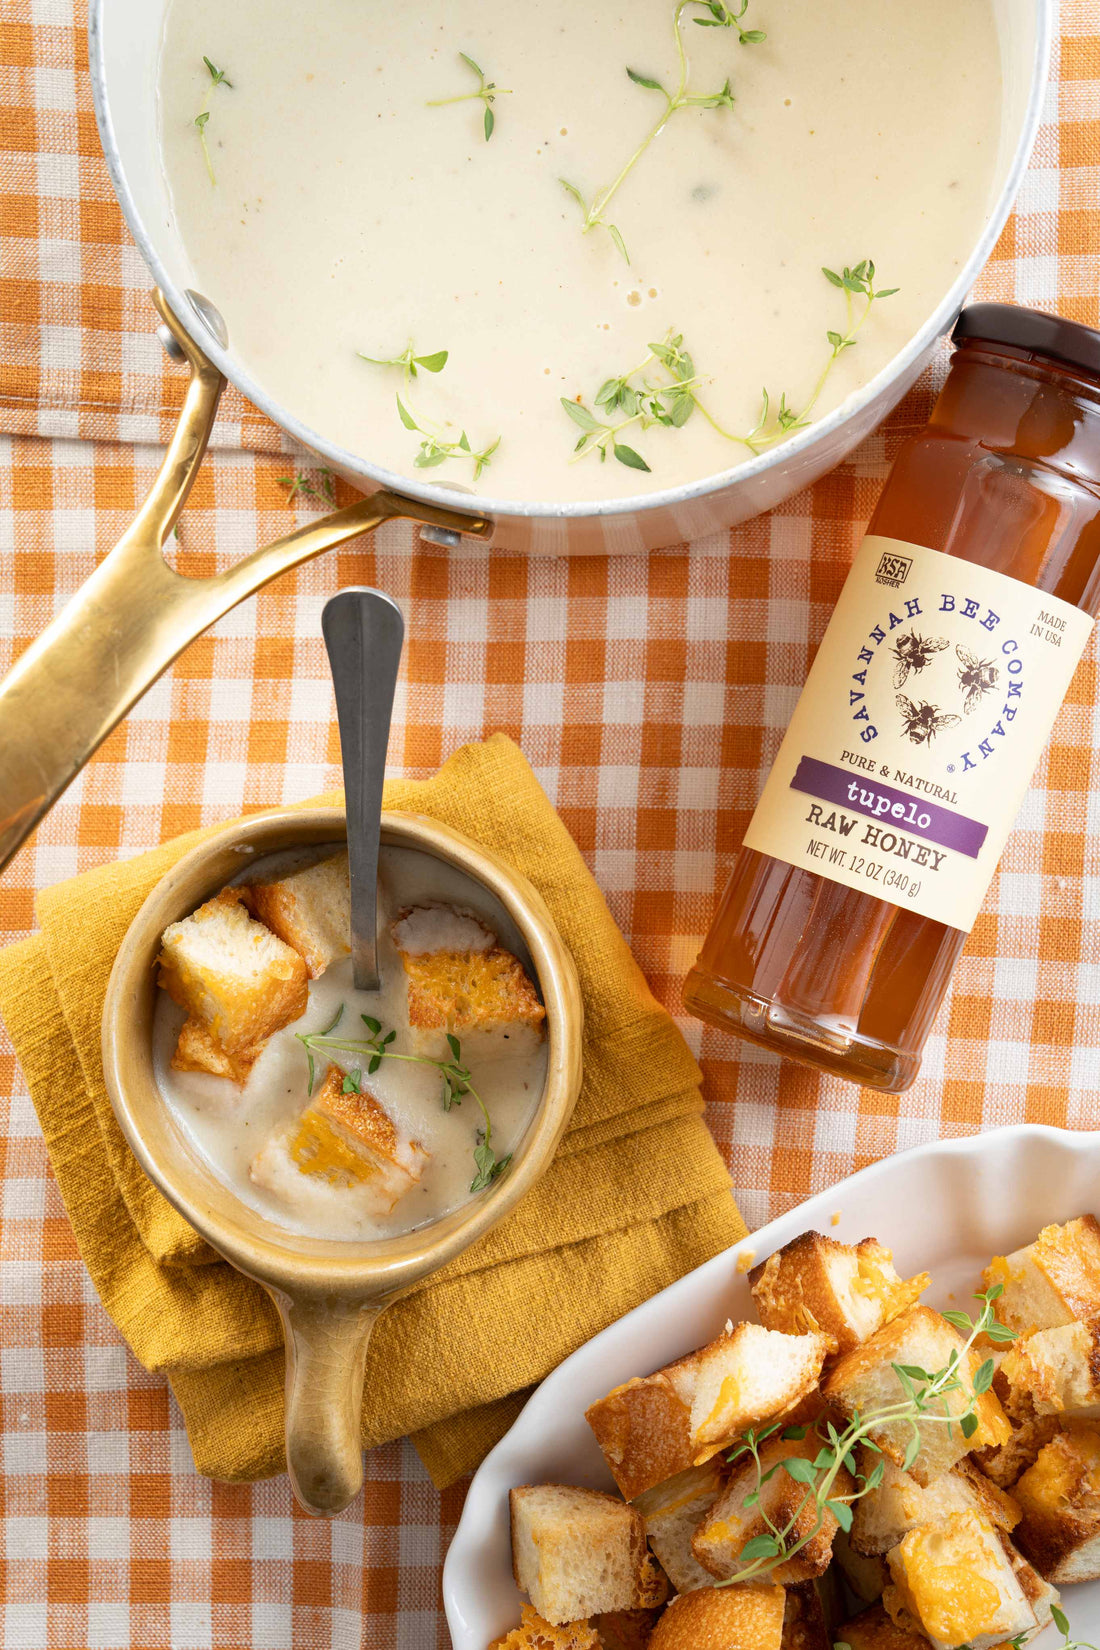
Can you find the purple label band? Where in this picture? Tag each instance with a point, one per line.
(900, 810)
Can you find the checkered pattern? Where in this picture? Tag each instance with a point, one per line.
(650, 695)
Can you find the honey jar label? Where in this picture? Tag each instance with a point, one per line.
(915, 738)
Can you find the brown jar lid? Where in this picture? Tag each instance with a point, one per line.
(1031, 330)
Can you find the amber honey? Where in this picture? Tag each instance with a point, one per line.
(1006, 477)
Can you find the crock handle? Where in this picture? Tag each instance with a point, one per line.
(135, 614)
(326, 1345)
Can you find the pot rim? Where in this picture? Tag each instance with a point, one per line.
(345, 462)
(374, 1269)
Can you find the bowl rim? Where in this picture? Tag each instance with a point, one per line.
(330, 1265)
(908, 359)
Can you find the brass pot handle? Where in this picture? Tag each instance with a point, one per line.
(326, 1347)
(135, 614)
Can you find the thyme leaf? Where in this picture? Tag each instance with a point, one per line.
(218, 77)
(435, 449)
(487, 92)
(409, 361)
(454, 1075)
(299, 485)
(716, 14)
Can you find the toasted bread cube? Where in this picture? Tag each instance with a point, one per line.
(672, 1513)
(654, 1427)
(843, 1291)
(462, 983)
(346, 1140)
(534, 1633)
(882, 1517)
(730, 1525)
(309, 909)
(644, 1427)
(873, 1630)
(1040, 1593)
(865, 1380)
(197, 1050)
(747, 1376)
(723, 1618)
(1004, 1463)
(1051, 1282)
(231, 974)
(954, 1582)
(579, 1553)
(1060, 1497)
(866, 1577)
(1054, 1372)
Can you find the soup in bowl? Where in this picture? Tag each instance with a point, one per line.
(335, 1188)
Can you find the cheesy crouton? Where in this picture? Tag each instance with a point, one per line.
(1054, 1372)
(723, 1618)
(1060, 1497)
(843, 1291)
(197, 1050)
(1053, 1281)
(309, 909)
(1004, 1463)
(873, 1630)
(730, 1524)
(672, 1512)
(579, 1553)
(346, 1140)
(956, 1583)
(865, 1380)
(533, 1633)
(654, 1427)
(883, 1516)
(233, 975)
(462, 982)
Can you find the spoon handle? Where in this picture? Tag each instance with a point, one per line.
(364, 633)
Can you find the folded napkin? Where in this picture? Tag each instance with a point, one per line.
(636, 1196)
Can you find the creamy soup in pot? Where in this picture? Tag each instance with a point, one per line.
(483, 186)
(242, 1132)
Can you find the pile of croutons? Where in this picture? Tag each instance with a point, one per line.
(966, 1535)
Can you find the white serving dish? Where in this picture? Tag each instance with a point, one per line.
(944, 1208)
(124, 43)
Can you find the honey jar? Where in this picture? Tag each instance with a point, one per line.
(927, 707)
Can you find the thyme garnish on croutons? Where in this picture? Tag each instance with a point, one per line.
(716, 15)
(218, 77)
(663, 389)
(454, 1075)
(924, 1393)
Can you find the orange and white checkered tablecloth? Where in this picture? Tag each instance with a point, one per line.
(649, 694)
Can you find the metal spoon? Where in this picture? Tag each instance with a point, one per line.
(364, 634)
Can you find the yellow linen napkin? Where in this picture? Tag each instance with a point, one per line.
(636, 1196)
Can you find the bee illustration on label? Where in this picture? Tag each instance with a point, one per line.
(976, 678)
(922, 722)
(913, 652)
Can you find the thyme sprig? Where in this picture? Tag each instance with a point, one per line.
(716, 15)
(299, 485)
(454, 1076)
(218, 77)
(663, 389)
(436, 449)
(488, 91)
(924, 1402)
(409, 361)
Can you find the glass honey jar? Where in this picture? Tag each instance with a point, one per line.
(926, 709)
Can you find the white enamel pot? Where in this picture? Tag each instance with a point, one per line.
(125, 42)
